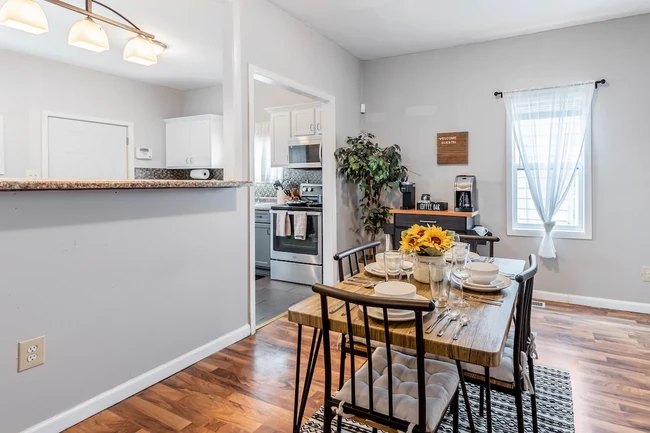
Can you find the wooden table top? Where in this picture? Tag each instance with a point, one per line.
(481, 342)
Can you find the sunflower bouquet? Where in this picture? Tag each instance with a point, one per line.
(427, 241)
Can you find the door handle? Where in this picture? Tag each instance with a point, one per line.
(428, 222)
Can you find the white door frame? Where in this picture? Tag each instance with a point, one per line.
(329, 172)
(45, 144)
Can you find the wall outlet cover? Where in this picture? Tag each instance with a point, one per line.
(645, 271)
(32, 174)
(31, 353)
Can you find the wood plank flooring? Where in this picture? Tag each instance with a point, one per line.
(248, 387)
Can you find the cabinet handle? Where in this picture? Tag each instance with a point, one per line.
(428, 222)
(192, 160)
(318, 126)
(187, 161)
(311, 127)
(268, 232)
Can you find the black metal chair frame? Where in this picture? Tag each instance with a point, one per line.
(522, 332)
(348, 254)
(474, 241)
(363, 302)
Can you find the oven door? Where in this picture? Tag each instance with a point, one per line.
(289, 249)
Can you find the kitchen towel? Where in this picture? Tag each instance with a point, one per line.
(282, 224)
(300, 225)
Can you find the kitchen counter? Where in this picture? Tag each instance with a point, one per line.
(53, 185)
(264, 206)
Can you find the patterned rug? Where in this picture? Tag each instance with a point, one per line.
(554, 409)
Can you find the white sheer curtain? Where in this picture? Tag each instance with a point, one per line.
(263, 170)
(549, 129)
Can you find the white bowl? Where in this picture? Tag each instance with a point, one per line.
(484, 273)
(395, 289)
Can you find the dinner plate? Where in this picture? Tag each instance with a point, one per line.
(500, 283)
(394, 315)
(472, 255)
(375, 269)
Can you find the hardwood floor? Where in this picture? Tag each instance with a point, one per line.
(249, 386)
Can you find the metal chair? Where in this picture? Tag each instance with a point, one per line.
(370, 395)
(474, 241)
(348, 254)
(510, 377)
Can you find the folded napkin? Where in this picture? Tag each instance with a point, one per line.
(282, 224)
(300, 225)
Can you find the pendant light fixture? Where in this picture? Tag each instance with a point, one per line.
(89, 35)
(28, 16)
(25, 15)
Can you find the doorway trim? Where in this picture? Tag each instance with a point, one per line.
(45, 144)
(328, 102)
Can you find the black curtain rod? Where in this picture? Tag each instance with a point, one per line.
(500, 94)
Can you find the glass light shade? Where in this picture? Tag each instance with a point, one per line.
(158, 48)
(140, 50)
(25, 15)
(89, 35)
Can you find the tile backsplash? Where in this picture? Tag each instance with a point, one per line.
(291, 177)
(170, 173)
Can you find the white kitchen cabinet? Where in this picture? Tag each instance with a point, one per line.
(194, 141)
(319, 120)
(280, 134)
(303, 122)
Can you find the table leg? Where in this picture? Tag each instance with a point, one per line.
(298, 412)
(488, 400)
(468, 409)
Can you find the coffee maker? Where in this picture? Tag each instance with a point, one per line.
(408, 195)
(466, 193)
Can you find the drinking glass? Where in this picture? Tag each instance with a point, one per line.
(392, 264)
(409, 262)
(461, 268)
(439, 283)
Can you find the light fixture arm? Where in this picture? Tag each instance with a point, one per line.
(88, 12)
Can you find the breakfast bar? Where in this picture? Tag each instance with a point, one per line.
(59, 185)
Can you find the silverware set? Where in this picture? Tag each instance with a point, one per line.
(484, 300)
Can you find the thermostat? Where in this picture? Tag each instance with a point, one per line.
(143, 153)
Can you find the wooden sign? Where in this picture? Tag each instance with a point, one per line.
(453, 148)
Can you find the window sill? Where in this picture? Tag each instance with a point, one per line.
(556, 234)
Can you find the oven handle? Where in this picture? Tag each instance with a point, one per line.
(294, 212)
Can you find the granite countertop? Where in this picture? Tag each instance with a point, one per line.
(50, 185)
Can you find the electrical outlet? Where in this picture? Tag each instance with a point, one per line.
(31, 353)
(32, 174)
(645, 271)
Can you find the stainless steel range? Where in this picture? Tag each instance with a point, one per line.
(299, 260)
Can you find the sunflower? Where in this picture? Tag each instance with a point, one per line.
(437, 238)
(416, 231)
(410, 243)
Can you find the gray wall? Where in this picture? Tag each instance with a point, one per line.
(30, 85)
(268, 96)
(206, 100)
(411, 98)
(118, 282)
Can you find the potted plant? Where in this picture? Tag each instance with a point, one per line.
(430, 243)
(376, 170)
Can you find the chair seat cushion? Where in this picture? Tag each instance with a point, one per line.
(441, 384)
(505, 372)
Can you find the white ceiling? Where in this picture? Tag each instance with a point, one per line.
(193, 34)
(371, 29)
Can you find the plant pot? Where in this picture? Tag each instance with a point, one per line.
(421, 273)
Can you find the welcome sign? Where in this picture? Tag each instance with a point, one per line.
(453, 148)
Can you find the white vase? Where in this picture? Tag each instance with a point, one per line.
(421, 273)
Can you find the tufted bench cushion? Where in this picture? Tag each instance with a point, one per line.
(441, 385)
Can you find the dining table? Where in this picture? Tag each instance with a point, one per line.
(481, 342)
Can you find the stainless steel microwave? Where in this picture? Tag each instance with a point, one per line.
(305, 152)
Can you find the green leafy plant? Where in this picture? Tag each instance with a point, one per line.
(376, 170)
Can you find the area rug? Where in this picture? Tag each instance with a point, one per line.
(554, 409)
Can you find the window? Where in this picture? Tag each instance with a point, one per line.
(263, 172)
(534, 124)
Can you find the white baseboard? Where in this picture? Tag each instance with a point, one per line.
(612, 304)
(107, 399)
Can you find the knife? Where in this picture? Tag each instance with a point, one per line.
(439, 319)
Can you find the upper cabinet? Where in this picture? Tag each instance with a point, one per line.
(303, 122)
(194, 142)
(292, 121)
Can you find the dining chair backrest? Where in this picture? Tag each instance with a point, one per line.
(419, 307)
(353, 256)
(523, 310)
(475, 240)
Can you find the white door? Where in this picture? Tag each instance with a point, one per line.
(303, 122)
(178, 145)
(200, 144)
(80, 149)
(319, 120)
(280, 134)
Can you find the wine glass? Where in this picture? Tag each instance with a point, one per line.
(461, 268)
(409, 262)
